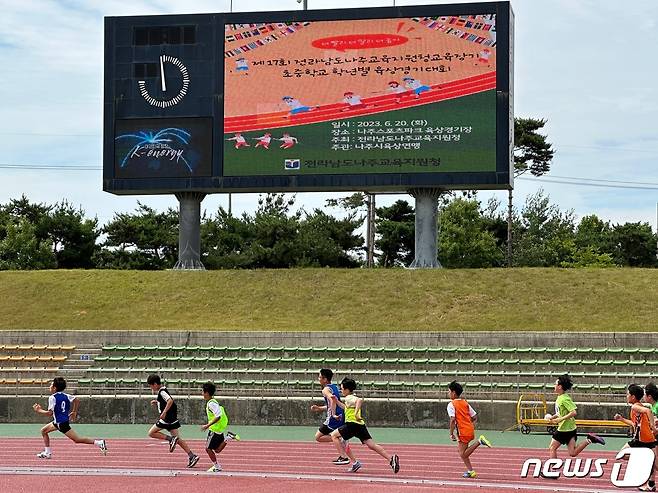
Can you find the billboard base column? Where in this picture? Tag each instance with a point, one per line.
(427, 200)
(189, 233)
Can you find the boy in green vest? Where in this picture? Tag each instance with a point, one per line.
(217, 423)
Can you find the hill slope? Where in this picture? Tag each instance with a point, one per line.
(332, 299)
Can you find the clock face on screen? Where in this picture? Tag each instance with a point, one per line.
(174, 82)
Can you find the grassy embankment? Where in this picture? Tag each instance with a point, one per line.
(331, 299)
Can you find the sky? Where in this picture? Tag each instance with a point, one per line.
(589, 67)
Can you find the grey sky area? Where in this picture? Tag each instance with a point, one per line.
(590, 67)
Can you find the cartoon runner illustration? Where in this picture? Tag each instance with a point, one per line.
(295, 106)
(354, 102)
(240, 141)
(264, 141)
(483, 57)
(395, 88)
(241, 65)
(416, 86)
(288, 141)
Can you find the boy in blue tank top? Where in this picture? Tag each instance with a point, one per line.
(331, 422)
(63, 408)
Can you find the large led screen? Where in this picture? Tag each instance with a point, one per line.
(405, 95)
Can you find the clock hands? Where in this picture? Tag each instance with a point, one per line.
(172, 100)
(162, 74)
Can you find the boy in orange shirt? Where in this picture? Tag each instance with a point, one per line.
(463, 417)
(643, 424)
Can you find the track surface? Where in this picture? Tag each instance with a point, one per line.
(142, 464)
(374, 105)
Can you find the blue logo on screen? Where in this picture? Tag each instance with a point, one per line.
(166, 145)
(292, 164)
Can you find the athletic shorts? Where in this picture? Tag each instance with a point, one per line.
(64, 427)
(465, 438)
(167, 426)
(214, 440)
(351, 430)
(638, 444)
(325, 430)
(564, 437)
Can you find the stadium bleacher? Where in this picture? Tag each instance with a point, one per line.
(415, 372)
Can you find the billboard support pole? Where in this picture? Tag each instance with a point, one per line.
(509, 228)
(189, 233)
(370, 233)
(427, 228)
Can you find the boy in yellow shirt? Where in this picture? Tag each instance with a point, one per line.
(217, 423)
(355, 426)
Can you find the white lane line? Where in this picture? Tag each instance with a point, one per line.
(40, 471)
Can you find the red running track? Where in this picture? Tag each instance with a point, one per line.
(140, 465)
(378, 104)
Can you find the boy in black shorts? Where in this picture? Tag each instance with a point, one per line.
(216, 426)
(565, 419)
(62, 408)
(168, 419)
(355, 426)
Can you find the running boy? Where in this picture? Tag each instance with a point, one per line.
(355, 426)
(462, 419)
(63, 408)
(168, 419)
(565, 419)
(330, 423)
(644, 426)
(217, 423)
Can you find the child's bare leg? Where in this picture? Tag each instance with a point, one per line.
(44, 433)
(154, 432)
(552, 448)
(319, 437)
(78, 439)
(342, 451)
(575, 450)
(462, 449)
(469, 450)
(372, 445)
(181, 443)
(212, 455)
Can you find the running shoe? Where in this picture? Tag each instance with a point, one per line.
(646, 487)
(172, 443)
(355, 467)
(595, 438)
(193, 460)
(215, 468)
(44, 455)
(395, 463)
(483, 441)
(341, 461)
(470, 474)
(232, 436)
(103, 447)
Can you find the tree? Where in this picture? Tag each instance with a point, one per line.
(545, 235)
(325, 241)
(634, 245)
(144, 240)
(464, 241)
(73, 237)
(396, 229)
(20, 249)
(532, 151)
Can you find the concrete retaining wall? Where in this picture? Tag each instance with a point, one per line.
(493, 415)
(269, 338)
